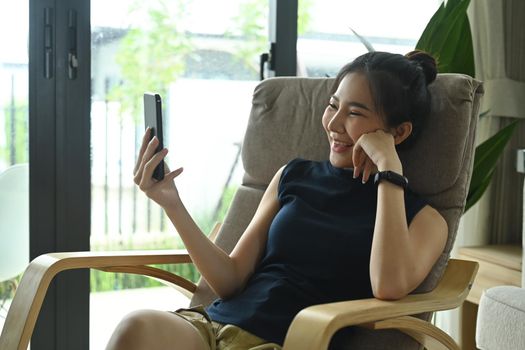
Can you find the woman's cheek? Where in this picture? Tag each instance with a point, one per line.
(325, 120)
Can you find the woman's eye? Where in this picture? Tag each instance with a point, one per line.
(332, 106)
(355, 113)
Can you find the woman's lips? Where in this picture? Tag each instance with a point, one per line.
(340, 147)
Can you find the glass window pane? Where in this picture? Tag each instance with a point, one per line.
(202, 57)
(326, 41)
(14, 150)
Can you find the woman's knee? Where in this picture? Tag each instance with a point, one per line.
(148, 329)
(130, 330)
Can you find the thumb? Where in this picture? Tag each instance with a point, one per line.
(172, 175)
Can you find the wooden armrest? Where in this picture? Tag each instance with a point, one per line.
(30, 294)
(314, 326)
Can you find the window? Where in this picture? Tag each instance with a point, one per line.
(14, 151)
(326, 41)
(202, 57)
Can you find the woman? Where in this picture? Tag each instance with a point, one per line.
(353, 210)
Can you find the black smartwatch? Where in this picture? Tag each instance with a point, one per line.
(392, 177)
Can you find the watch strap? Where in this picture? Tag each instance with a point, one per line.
(392, 177)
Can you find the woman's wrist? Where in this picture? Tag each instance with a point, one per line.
(392, 165)
(172, 206)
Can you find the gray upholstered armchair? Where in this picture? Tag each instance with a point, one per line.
(285, 123)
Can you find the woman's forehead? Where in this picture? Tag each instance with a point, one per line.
(354, 88)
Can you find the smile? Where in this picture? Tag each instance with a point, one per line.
(340, 147)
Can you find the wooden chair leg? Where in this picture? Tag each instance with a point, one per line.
(425, 333)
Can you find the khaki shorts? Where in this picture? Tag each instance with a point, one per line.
(223, 337)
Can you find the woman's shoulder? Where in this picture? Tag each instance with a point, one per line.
(301, 165)
(300, 169)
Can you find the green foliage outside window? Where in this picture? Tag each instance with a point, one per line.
(103, 281)
(251, 26)
(153, 57)
(15, 148)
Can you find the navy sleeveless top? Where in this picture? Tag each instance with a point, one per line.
(318, 249)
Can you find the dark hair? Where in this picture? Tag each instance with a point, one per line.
(398, 85)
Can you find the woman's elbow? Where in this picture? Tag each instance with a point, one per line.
(389, 291)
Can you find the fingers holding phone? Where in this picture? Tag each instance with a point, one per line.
(150, 173)
(145, 141)
(164, 191)
(148, 155)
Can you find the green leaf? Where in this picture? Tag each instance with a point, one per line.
(445, 40)
(432, 26)
(484, 113)
(475, 193)
(486, 157)
(462, 56)
(434, 35)
(365, 42)
(447, 37)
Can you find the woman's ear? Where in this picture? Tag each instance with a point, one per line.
(401, 132)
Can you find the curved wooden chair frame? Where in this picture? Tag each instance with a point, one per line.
(311, 329)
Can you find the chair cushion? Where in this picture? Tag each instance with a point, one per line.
(501, 319)
(285, 123)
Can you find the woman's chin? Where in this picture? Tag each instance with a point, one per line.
(340, 162)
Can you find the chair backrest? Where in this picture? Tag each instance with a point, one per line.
(285, 123)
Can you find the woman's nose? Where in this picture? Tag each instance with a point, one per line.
(336, 123)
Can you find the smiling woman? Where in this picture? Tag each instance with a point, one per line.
(378, 91)
(388, 234)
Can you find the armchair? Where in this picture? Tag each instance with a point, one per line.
(284, 124)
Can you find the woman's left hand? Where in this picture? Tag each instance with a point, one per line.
(375, 151)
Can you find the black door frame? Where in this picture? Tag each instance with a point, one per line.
(283, 37)
(59, 156)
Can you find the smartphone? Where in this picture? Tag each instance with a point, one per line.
(153, 120)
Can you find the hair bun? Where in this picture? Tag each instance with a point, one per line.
(426, 62)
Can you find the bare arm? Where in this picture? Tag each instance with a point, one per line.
(401, 256)
(225, 274)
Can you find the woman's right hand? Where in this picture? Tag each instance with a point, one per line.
(163, 192)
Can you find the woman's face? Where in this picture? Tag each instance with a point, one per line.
(349, 114)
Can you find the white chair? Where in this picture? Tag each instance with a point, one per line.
(14, 221)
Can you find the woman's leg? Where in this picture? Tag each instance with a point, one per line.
(152, 329)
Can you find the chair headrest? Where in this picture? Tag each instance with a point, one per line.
(285, 123)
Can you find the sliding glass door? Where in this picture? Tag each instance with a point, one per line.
(202, 57)
(89, 63)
